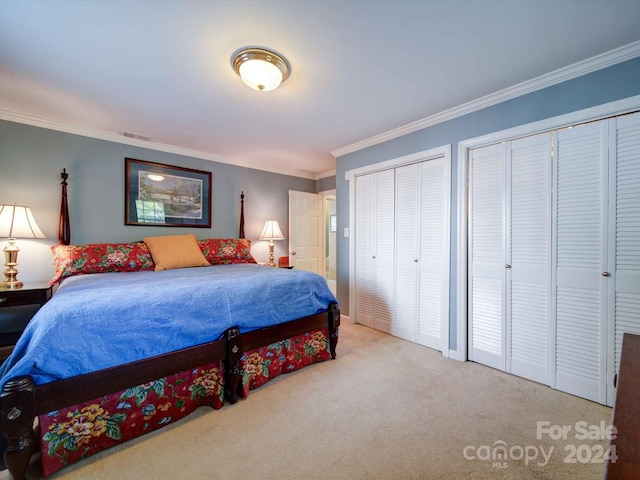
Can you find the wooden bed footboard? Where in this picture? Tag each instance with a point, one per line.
(21, 401)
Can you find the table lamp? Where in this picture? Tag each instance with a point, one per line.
(271, 232)
(16, 221)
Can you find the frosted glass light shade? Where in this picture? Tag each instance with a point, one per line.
(260, 69)
(260, 75)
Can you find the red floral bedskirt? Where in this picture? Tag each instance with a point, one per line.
(73, 433)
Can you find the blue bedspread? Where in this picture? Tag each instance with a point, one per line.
(102, 320)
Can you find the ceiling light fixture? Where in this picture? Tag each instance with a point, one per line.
(259, 68)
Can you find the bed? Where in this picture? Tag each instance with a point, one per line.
(116, 354)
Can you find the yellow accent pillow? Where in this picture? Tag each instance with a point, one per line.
(175, 251)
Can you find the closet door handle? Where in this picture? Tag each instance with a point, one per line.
(293, 253)
(606, 274)
(415, 260)
(373, 256)
(507, 266)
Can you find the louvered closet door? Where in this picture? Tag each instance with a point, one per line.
(528, 272)
(383, 257)
(486, 255)
(365, 245)
(432, 262)
(581, 245)
(626, 199)
(406, 271)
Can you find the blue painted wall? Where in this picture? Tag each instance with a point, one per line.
(597, 88)
(32, 158)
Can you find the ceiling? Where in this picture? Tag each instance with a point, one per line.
(161, 69)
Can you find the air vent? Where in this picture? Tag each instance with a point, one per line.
(136, 136)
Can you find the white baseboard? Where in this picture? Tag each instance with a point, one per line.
(456, 355)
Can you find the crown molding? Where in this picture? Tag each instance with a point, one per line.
(604, 60)
(160, 147)
(330, 173)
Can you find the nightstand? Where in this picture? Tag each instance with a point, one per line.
(29, 294)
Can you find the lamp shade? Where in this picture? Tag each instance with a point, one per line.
(271, 231)
(16, 221)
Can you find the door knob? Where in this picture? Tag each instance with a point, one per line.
(606, 274)
(293, 253)
(507, 266)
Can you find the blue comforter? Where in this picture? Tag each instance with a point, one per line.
(102, 320)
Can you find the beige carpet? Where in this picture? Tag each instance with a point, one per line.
(384, 409)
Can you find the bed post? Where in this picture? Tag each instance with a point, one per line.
(233, 377)
(241, 232)
(334, 324)
(64, 227)
(16, 424)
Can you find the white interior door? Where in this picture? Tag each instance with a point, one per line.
(305, 231)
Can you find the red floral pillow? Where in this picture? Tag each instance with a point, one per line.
(71, 260)
(220, 251)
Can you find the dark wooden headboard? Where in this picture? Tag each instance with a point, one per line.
(64, 227)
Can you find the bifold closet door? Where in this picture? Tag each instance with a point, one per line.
(582, 271)
(529, 343)
(375, 227)
(486, 255)
(407, 245)
(365, 245)
(625, 279)
(420, 273)
(510, 256)
(433, 262)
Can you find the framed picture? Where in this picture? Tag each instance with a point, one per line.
(158, 194)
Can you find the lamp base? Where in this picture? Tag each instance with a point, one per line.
(271, 257)
(11, 261)
(11, 285)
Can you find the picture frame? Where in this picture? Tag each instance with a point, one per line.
(164, 195)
